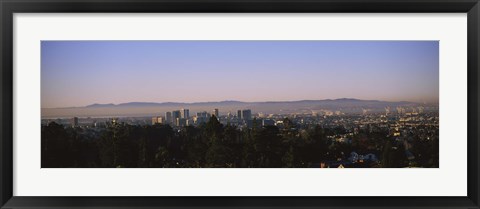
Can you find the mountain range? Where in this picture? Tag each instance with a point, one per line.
(346, 105)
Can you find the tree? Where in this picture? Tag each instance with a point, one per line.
(268, 145)
(386, 154)
(288, 160)
(162, 158)
(219, 156)
(56, 147)
(394, 156)
(213, 128)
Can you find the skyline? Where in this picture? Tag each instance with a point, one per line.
(140, 109)
(81, 73)
(223, 101)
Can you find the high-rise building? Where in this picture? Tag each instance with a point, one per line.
(168, 117)
(215, 112)
(239, 114)
(202, 117)
(74, 122)
(247, 114)
(156, 120)
(180, 122)
(203, 114)
(175, 115)
(185, 113)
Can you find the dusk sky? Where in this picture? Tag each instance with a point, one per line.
(79, 73)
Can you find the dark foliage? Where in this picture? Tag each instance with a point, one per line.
(215, 145)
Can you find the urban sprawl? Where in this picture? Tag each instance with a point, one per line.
(395, 137)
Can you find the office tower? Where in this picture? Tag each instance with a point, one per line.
(247, 114)
(157, 119)
(74, 122)
(239, 114)
(175, 115)
(154, 120)
(202, 117)
(203, 114)
(215, 112)
(180, 122)
(168, 117)
(185, 113)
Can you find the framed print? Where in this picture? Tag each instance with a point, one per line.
(160, 104)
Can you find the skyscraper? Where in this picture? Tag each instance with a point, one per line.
(74, 122)
(175, 115)
(185, 113)
(247, 114)
(239, 114)
(168, 117)
(215, 112)
(202, 117)
(181, 122)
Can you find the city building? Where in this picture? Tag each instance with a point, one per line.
(202, 117)
(247, 114)
(215, 112)
(175, 115)
(181, 122)
(185, 113)
(74, 122)
(154, 120)
(157, 120)
(168, 118)
(268, 122)
(239, 114)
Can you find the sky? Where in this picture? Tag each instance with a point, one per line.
(80, 73)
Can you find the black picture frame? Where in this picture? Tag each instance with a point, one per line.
(9, 7)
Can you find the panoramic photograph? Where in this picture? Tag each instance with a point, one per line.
(239, 104)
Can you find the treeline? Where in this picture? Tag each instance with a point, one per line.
(214, 145)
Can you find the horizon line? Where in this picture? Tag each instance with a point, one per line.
(342, 98)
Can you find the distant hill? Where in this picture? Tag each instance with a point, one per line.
(346, 105)
(163, 104)
(341, 102)
(100, 105)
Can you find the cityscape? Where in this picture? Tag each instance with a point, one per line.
(392, 126)
(355, 140)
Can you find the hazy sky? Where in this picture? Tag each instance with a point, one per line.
(79, 73)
